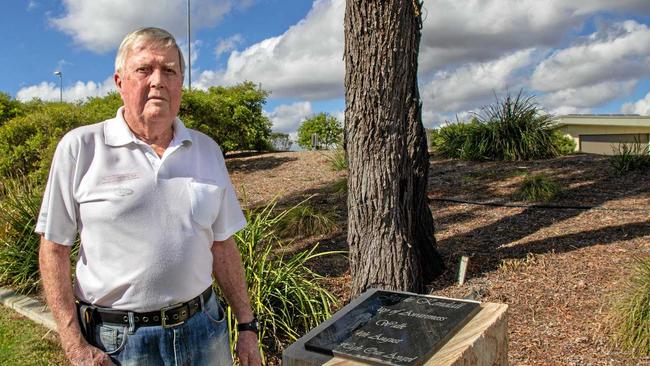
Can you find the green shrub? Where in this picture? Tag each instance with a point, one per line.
(304, 220)
(628, 158)
(512, 129)
(280, 141)
(232, 116)
(564, 144)
(538, 187)
(631, 314)
(287, 296)
(326, 127)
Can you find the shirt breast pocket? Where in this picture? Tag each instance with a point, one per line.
(205, 200)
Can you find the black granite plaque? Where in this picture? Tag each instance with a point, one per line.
(394, 328)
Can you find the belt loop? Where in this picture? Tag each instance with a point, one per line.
(202, 302)
(131, 323)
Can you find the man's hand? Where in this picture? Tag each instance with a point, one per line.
(248, 350)
(87, 355)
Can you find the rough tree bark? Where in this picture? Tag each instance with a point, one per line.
(390, 227)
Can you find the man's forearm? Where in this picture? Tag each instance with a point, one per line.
(228, 271)
(54, 260)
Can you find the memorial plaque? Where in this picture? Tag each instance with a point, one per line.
(394, 328)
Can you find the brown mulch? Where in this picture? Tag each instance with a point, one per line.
(558, 268)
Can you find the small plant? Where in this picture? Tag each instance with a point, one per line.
(304, 220)
(631, 314)
(538, 187)
(628, 158)
(285, 294)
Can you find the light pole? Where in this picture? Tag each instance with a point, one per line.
(60, 75)
(189, 48)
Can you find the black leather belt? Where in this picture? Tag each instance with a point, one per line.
(168, 316)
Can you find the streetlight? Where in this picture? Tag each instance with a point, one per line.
(189, 47)
(60, 75)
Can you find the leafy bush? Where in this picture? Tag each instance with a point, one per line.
(9, 108)
(326, 127)
(285, 294)
(628, 157)
(232, 116)
(631, 314)
(538, 187)
(512, 129)
(564, 144)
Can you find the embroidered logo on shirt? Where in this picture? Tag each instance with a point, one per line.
(124, 192)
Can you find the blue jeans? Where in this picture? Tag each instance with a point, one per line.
(201, 340)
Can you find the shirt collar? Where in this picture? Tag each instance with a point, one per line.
(117, 132)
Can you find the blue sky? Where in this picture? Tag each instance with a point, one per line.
(576, 56)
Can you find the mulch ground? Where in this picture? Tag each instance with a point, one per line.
(558, 268)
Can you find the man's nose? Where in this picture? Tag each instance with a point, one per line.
(156, 79)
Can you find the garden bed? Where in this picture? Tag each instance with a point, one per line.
(557, 268)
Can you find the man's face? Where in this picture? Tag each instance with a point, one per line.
(150, 85)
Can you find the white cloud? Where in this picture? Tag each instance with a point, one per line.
(641, 106)
(304, 62)
(32, 5)
(474, 83)
(587, 96)
(100, 25)
(620, 52)
(228, 44)
(79, 91)
(287, 117)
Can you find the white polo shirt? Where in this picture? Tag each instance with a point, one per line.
(146, 223)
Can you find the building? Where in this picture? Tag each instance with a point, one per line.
(604, 133)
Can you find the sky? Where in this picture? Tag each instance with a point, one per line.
(574, 56)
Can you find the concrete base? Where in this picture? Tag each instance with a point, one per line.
(483, 341)
(31, 308)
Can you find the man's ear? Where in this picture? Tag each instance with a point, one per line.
(118, 80)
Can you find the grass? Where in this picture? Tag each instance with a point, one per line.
(631, 314)
(23, 342)
(538, 188)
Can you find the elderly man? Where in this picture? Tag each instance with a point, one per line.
(155, 210)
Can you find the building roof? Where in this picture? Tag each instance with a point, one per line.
(632, 120)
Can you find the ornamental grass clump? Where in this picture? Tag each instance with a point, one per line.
(286, 295)
(304, 220)
(628, 158)
(538, 188)
(631, 313)
(19, 209)
(18, 242)
(512, 129)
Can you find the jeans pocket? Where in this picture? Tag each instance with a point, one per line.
(214, 311)
(110, 338)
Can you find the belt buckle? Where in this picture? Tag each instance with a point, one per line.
(163, 317)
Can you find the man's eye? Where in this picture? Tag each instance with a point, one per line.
(170, 71)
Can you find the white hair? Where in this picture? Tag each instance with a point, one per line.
(155, 37)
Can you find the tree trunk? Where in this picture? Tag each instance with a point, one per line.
(390, 227)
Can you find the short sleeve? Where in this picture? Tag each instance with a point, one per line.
(57, 220)
(231, 218)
